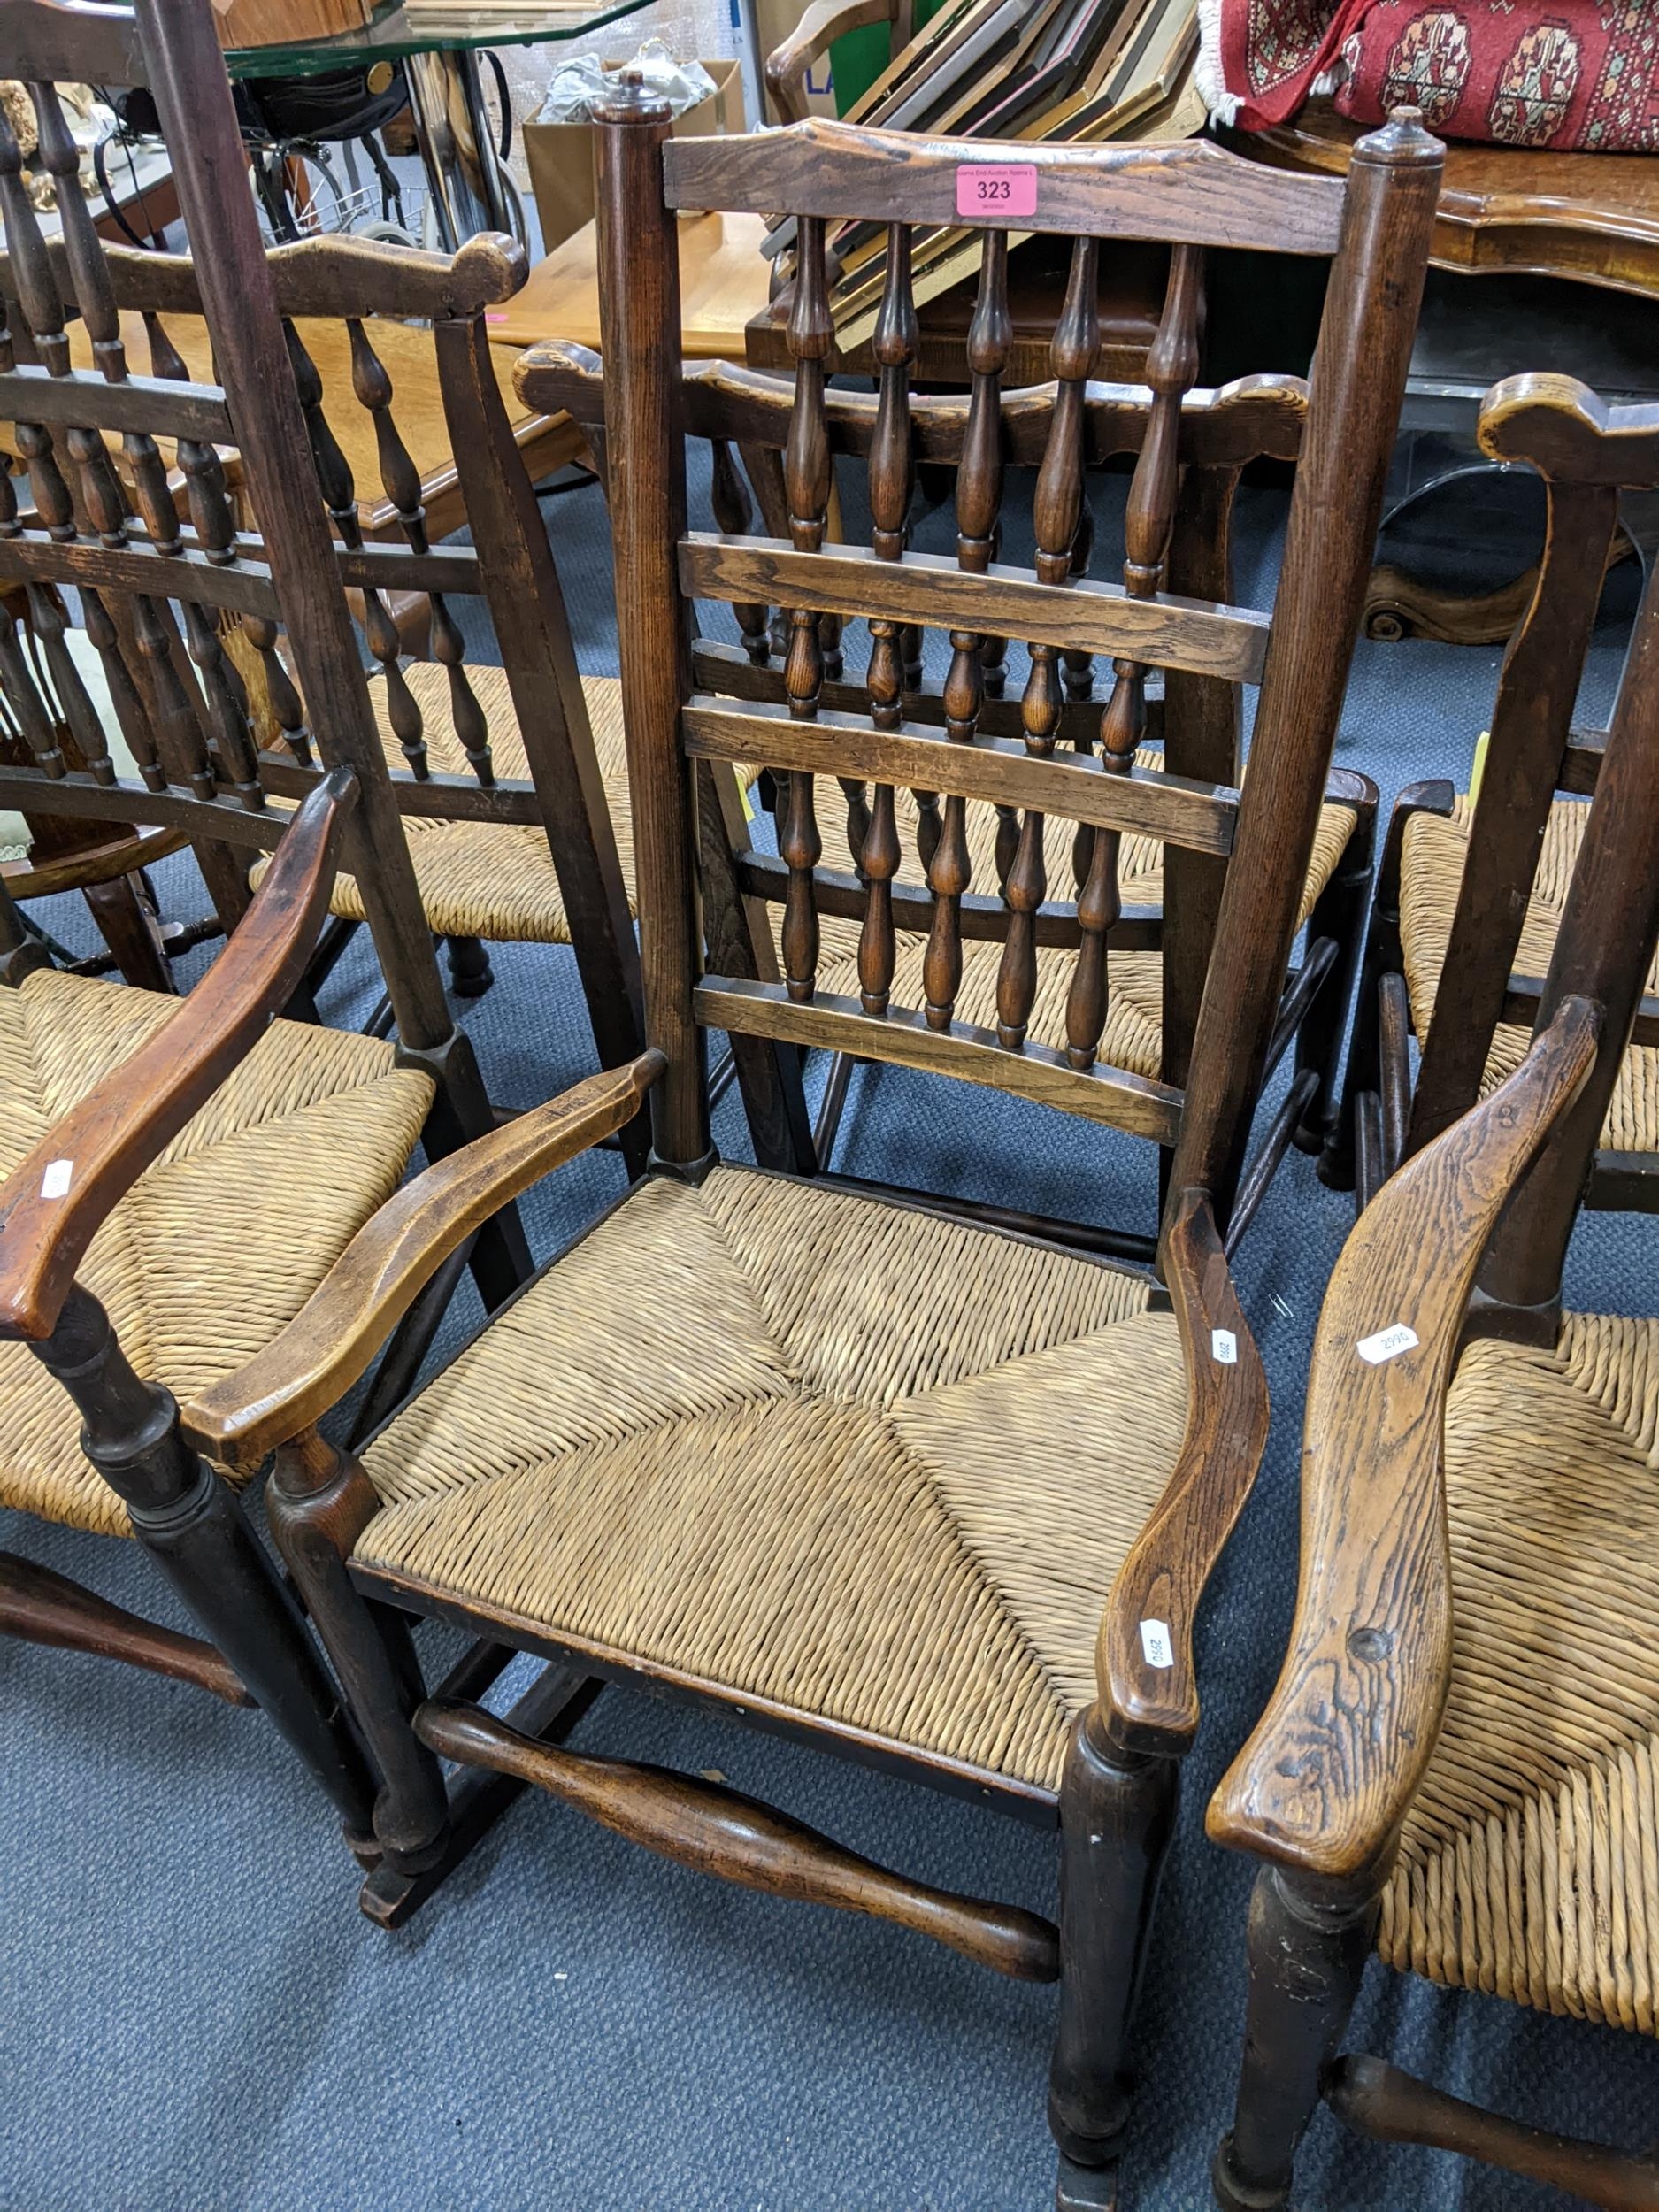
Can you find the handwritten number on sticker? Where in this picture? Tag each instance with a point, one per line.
(1156, 1644)
(1225, 1347)
(54, 1182)
(1386, 1344)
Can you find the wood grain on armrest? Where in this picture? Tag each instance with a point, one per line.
(54, 1203)
(1332, 1765)
(1154, 1707)
(334, 1336)
(819, 27)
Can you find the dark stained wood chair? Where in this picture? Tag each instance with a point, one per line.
(933, 1496)
(1180, 518)
(178, 1172)
(1458, 1763)
(511, 779)
(1470, 893)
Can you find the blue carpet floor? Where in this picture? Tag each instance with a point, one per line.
(194, 2019)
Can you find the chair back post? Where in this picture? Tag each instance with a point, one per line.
(639, 308)
(1605, 945)
(185, 73)
(526, 607)
(1358, 384)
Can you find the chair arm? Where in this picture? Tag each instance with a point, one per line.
(559, 376)
(1149, 1692)
(1331, 1768)
(334, 1337)
(54, 1203)
(824, 22)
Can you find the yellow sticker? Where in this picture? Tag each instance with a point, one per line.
(1480, 768)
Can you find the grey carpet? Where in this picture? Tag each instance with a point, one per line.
(194, 2018)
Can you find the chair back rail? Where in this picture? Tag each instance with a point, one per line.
(1377, 224)
(1586, 452)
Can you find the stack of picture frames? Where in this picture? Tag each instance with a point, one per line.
(1082, 70)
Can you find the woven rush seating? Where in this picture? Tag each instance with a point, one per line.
(1527, 1866)
(1431, 869)
(219, 1244)
(1133, 1037)
(792, 1445)
(489, 879)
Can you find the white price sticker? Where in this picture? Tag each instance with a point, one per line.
(1386, 1344)
(54, 1182)
(1225, 1346)
(1154, 1641)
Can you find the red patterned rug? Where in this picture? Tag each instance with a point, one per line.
(1575, 75)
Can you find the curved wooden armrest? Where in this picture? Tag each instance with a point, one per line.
(1147, 1680)
(824, 22)
(1334, 1763)
(556, 376)
(1564, 429)
(54, 1203)
(332, 1340)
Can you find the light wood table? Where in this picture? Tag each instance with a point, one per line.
(723, 286)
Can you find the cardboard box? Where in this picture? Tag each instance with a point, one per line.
(561, 155)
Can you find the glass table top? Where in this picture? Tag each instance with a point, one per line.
(431, 27)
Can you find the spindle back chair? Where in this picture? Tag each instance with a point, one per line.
(1251, 851)
(316, 1130)
(1181, 514)
(1472, 887)
(792, 1444)
(1457, 1761)
(522, 845)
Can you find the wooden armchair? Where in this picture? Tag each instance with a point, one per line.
(510, 781)
(1190, 447)
(1458, 1763)
(175, 1174)
(1470, 891)
(823, 1453)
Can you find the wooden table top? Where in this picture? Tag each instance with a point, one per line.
(722, 283)
(1591, 218)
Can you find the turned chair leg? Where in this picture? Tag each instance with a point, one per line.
(1308, 1941)
(194, 1528)
(1117, 1816)
(1340, 914)
(470, 972)
(318, 1501)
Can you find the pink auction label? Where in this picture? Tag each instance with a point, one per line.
(996, 188)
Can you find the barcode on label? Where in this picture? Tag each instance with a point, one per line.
(54, 1182)
(1386, 1344)
(1225, 1346)
(996, 188)
(1154, 1641)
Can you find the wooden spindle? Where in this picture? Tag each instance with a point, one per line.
(892, 481)
(734, 514)
(49, 619)
(59, 155)
(1057, 514)
(130, 713)
(806, 465)
(339, 490)
(1172, 371)
(29, 710)
(281, 694)
(34, 280)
